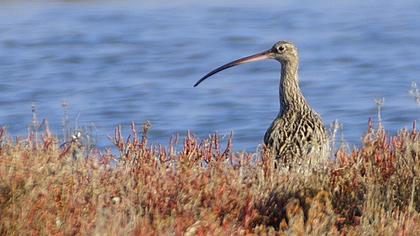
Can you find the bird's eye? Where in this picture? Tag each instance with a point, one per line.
(281, 49)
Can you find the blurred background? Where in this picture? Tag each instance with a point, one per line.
(113, 62)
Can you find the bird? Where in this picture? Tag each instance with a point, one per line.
(298, 132)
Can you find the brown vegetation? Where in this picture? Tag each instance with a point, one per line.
(202, 189)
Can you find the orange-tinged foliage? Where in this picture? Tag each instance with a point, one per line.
(204, 189)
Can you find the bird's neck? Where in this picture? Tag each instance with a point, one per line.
(291, 97)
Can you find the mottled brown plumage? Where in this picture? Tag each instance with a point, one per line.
(298, 131)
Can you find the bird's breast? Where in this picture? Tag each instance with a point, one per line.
(296, 134)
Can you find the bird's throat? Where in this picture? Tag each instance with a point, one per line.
(291, 97)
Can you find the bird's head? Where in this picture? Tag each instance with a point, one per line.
(282, 51)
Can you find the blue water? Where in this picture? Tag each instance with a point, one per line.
(117, 62)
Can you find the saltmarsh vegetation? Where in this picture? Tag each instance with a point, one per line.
(200, 187)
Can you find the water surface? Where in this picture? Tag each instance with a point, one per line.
(117, 62)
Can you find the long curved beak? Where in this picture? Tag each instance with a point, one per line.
(256, 57)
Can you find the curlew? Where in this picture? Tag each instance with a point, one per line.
(298, 131)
